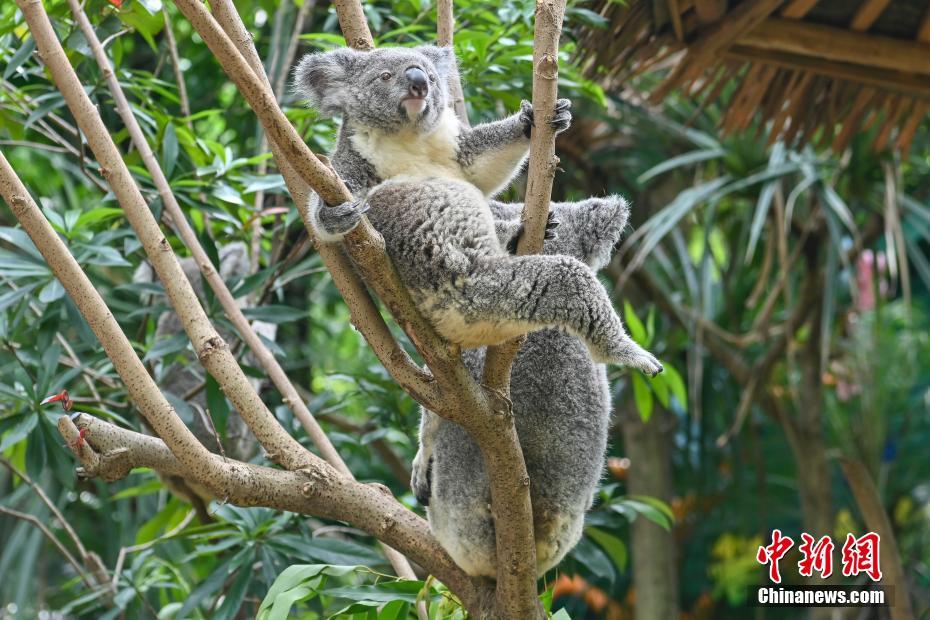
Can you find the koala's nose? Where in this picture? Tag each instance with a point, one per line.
(418, 84)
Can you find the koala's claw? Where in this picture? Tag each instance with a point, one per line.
(340, 219)
(551, 225)
(421, 482)
(561, 118)
(646, 362)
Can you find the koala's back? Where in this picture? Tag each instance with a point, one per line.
(561, 411)
(435, 229)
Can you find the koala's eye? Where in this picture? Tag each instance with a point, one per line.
(386, 75)
(432, 77)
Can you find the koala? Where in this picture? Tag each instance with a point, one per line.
(426, 183)
(561, 407)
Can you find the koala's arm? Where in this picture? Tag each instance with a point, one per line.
(331, 223)
(587, 230)
(492, 154)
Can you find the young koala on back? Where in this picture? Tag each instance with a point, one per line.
(561, 409)
(424, 181)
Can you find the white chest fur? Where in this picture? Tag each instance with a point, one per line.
(411, 154)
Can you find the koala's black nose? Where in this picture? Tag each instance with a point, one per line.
(418, 84)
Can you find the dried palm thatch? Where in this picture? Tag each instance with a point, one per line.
(816, 71)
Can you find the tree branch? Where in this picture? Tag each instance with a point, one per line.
(210, 273)
(301, 170)
(212, 351)
(109, 451)
(445, 27)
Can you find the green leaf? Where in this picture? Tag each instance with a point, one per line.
(19, 430)
(53, 291)
(166, 347)
(642, 395)
(296, 583)
(594, 560)
(637, 330)
(659, 385)
(614, 547)
(675, 384)
(240, 561)
(22, 55)
(233, 597)
(169, 149)
(275, 314)
(217, 405)
(680, 161)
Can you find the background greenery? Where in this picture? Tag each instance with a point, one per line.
(695, 276)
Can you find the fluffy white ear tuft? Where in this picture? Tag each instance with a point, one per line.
(443, 58)
(321, 77)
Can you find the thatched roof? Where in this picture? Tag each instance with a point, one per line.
(815, 70)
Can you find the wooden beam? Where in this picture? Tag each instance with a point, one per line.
(709, 11)
(796, 9)
(867, 13)
(901, 83)
(829, 43)
(674, 13)
(719, 36)
(923, 34)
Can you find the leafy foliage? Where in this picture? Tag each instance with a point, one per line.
(709, 216)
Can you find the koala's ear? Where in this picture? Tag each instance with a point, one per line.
(322, 78)
(443, 58)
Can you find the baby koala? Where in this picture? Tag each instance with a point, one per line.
(424, 181)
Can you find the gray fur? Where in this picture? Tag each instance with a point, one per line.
(424, 182)
(428, 200)
(562, 430)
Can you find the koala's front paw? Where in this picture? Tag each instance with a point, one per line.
(561, 117)
(551, 225)
(627, 353)
(421, 478)
(340, 219)
(526, 117)
(645, 361)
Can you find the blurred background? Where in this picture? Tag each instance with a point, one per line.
(777, 262)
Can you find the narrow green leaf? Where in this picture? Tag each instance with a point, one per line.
(643, 397)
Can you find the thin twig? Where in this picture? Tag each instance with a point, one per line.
(176, 65)
(48, 534)
(121, 558)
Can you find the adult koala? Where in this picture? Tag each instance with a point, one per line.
(425, 182)
(561, 407)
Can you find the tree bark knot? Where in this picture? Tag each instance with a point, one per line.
(20, 204)
(211, 346)
(548, 67)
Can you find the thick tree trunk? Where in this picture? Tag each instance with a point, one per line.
(655, 570)
(813, 467)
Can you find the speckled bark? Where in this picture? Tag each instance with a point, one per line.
(110, 452)
(212, 351)
(189, 237)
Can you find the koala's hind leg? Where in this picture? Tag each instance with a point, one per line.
(528, 293)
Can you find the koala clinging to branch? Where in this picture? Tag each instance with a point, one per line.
(561, 408)
(424, 181)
